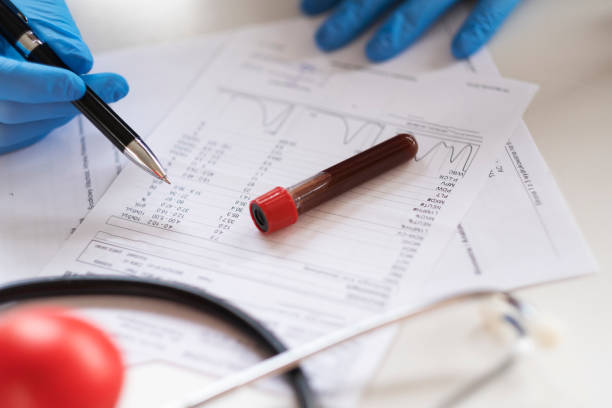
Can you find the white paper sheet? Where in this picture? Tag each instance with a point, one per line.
(518, 231)
(266, 115)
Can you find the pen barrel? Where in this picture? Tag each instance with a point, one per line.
(90, 105)
(352, 172)
(12, 22)
(106, 120)
(43, 54)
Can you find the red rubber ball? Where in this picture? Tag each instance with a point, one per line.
(50, 359)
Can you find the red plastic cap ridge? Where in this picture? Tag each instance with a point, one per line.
(274, 210)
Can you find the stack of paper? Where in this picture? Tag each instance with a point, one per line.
(263, 107)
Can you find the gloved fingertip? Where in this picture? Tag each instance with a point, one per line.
(481, 25)
(74, 53)
(380, 48)
(326, 38)
(69, 87)
(109, 86)
(82, 63)
(122, 88)
(464, 45)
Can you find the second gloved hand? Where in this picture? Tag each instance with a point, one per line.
(408, 20)
(35, 99)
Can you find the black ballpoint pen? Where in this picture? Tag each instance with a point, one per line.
(15, 29)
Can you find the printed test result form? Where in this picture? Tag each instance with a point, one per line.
(262, 117)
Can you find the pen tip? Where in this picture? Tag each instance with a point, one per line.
(166, 180)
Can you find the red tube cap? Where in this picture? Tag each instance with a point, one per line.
(273, 210)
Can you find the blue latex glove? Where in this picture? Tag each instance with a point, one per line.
(34, 99)
(408, 20)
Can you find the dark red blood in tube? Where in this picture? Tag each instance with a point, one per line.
(281, 207)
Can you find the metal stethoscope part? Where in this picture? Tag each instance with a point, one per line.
(507, 311)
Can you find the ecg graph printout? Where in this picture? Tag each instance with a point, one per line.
(49, 187)
(238, 133)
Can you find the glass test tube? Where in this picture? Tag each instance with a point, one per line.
(281, 207)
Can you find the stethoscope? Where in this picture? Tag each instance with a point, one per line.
(513, 314)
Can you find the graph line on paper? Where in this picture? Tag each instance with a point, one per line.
(352, 130)
(457, 146)
(461, 155)
(267, 113)
(271, 114)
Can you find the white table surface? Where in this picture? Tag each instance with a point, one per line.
(562, 45)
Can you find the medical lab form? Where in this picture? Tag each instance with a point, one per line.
(261, 117)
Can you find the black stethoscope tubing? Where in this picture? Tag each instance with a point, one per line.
(177, 293)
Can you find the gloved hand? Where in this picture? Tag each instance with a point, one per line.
(34, 99)
(406, 23)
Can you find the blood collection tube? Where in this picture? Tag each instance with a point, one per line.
(280, 207)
